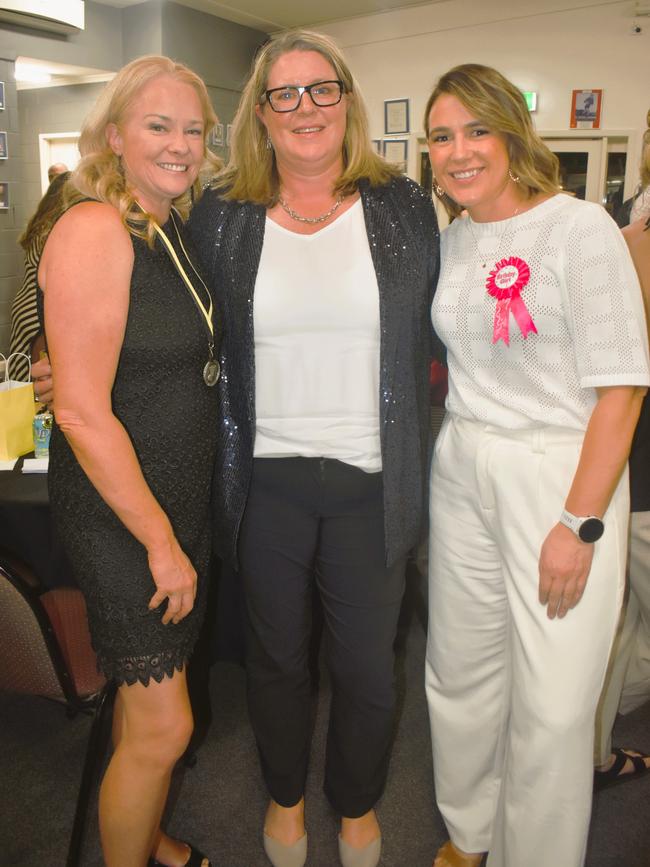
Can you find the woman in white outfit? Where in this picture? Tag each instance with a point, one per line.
(540, 308)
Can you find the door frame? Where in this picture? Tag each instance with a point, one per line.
(632, 141)
(45, 140)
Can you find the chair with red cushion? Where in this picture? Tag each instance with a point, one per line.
(46, 651)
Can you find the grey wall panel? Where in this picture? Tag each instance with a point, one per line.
(219, 51)
(142, 28)
(98, 46)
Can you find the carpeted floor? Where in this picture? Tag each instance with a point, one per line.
(219, 804)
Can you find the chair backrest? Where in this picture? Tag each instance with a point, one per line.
(30, 658)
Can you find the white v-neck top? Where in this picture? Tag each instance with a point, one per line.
(316, 324)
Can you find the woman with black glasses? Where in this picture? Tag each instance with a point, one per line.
(327, 258)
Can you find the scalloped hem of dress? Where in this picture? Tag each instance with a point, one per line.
(141, 669)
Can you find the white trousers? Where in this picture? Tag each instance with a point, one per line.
(627, 685)
(512, 694)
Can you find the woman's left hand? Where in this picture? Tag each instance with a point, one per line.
(564, 565)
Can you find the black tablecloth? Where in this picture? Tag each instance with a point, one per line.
(25, 528)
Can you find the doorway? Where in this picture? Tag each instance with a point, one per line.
(57, 147)
(593, 168)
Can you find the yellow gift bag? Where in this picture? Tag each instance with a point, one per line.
(17, 409)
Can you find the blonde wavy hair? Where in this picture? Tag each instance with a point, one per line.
(251, 173)
(99, 173)
(497, 103)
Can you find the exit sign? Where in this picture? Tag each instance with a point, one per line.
(531, 99)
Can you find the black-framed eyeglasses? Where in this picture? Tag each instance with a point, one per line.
(322, 94)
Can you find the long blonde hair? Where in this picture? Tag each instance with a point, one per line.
(251, 174)
(99, 173)
(501, 106)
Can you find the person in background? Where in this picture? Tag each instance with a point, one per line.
(56, 169)
(638, 206)
(327, 257)
(641, 205)
(26, 335)
(130, 330)
(539, 306)
(628, 679)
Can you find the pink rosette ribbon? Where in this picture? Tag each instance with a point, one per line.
(505, 283)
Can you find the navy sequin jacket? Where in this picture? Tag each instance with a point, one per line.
(403, 236)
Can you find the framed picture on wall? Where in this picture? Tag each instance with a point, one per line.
(376, 145)
(4, 150)
(2, 95)
(4, 196)
(396, 116)
(217, 135)
(585, 109)
(396, 150)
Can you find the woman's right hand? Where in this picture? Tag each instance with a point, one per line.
(175, 580)
(42, 380)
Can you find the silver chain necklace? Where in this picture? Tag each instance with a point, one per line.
(294, 216)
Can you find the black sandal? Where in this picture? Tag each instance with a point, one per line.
(195, 860)
(614, 776)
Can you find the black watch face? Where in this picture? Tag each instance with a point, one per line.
(591, 530)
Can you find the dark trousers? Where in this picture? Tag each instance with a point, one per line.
(318, 520)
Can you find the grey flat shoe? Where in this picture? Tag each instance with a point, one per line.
(368, 856)
(285, 856)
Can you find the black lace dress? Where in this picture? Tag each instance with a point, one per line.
(171, 416)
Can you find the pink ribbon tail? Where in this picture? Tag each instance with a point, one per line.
(522, 317)
(502, 312)
(501, 316)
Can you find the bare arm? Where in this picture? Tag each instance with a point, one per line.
(86, 307)
(565, 560)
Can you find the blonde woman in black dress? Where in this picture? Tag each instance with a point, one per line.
(129, 327)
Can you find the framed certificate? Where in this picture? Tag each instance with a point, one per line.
(396, 116)
(217, 135)
(396, 150)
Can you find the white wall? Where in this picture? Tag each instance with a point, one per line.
(535, 43)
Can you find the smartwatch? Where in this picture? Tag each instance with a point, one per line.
(588, 529)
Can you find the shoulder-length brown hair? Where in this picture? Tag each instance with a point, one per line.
(99, 174)
(498, 104)
(251, 174)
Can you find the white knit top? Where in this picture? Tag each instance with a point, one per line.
(583, 297)
(316, 323)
